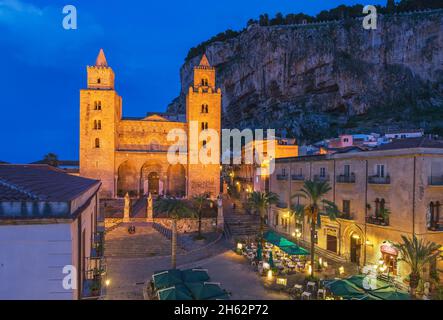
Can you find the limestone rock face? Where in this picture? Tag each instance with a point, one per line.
(306, 79)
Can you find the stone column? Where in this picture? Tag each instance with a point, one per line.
(220, 219)
(149, 209)
(127, 209)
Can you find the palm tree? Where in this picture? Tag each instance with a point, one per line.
(199, 202)
(314, 192)
(260, 202)
(51, 159)
(416, 254)
(175, 210)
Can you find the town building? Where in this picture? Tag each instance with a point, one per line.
(382, 194)
(129, 155)
(248, 177)
(50, 236)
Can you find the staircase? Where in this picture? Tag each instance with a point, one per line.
(146, 242)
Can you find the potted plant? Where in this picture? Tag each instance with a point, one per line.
(384, 215)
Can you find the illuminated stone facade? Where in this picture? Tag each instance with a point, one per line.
(130, 154)
(406, 181)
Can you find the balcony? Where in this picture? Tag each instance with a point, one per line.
(435, 180)
(380, 221)
(379, 180)
(347, 216)
(297, 177)
(436, 227)
(98, 248)
(92, 281)
(319, 177)
(282, 177)
(343, 178)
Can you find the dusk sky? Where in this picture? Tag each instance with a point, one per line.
(43, 66)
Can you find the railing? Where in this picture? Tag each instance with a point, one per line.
(297, 177)
(347, 216)
(377, 221)
(435, 180)
(435, 226)
(343, 178)
(319, 177)
(379, 180)
(282, 177)
(92, 280)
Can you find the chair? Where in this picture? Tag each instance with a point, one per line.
(306, 295)
(310, 286)
(321, 293)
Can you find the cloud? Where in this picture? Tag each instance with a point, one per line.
(36, 34)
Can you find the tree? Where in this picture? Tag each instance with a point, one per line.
(51, 159)
(416, 254)
(199, 202)
(260, 202)
(390, 6)
(175, 210)
(314, 192)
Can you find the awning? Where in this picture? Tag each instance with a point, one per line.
(284, 244)
(206, 290)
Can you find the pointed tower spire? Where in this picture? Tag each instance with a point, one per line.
(101, 59)
(204, 61)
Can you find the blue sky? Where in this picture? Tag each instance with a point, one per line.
(43, 66)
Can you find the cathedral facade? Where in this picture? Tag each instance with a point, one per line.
(130, 155)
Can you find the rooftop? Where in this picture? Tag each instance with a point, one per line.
(40, 183)
(409, 143)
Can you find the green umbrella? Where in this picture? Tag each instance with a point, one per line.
(271, 260)
(271, 236)
(295, 250)
(390, 293)
(195, 275)
(167, 279)
(205, 290)
(366, 283)
(177, 292)
(344, 289)
(259, 252)
(283, 242)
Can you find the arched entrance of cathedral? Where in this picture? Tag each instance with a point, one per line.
(177, 180)
(127, 179)
(152, 184)
(150, 174)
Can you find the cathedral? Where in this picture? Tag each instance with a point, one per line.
(129, 155)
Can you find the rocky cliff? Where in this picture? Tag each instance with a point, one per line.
(317, 80)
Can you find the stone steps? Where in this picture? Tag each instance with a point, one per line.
(146, 242)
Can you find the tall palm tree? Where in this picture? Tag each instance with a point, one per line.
(260, 202)
(314, 192)
(199, 202)
(416, 254)
(175, 210)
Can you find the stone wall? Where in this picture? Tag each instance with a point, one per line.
(188, 225)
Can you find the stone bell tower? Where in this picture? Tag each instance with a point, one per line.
(203, 112)
(100, 112)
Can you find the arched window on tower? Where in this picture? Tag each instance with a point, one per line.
(203, 126)
(97, 105)
(99, 124)
(206, 108)
(99, 80)
(205, 82)
(97, 142)
(206, 126)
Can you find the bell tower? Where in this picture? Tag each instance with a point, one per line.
(203, 112)
(100, 112)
